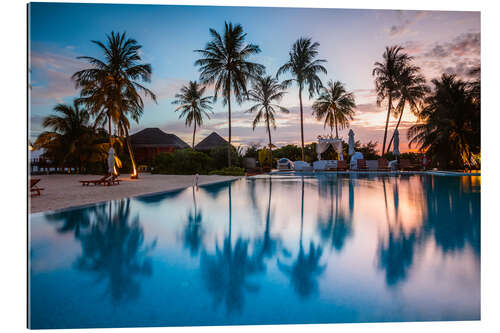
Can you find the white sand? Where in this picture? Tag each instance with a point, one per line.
(62, 191)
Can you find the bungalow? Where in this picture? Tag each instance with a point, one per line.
(151, 141)
(212, 141)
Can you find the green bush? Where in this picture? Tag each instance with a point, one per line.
(219, 157)
(182, 162)
(233, 171)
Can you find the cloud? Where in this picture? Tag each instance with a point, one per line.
(462, 45)
(405, 23)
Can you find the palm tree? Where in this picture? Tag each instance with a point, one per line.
(193, 105)
(224, 62)
(412, 90)
(304, 68)
(387, 74)
(69, 135)
(112, 88)
(335, 105)
(264, 92)
(449, 127)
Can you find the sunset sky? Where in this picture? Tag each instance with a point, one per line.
(350, 40)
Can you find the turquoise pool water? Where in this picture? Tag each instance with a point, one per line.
(270, 250)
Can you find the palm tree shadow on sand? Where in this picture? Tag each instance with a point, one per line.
(114, 252)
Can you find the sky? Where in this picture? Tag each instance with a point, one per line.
(350, 40)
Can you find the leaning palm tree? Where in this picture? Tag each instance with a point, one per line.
(304, 68)
(224, 62)
(335, 105)
(193, 105)
(387, 74)
(265, 91)
(412, 90)
(112, 86)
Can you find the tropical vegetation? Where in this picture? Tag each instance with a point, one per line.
(192, 105)
(112, 87)
(304, 67)
(266, 92)
(224, 62)
(335, 105)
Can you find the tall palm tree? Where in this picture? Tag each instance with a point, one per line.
(265, 91)
(449, 127)
(193, 105)
(412, 90)
(304, 68)
(112, 87)
(224, 62)
(387, 74)
(335, 105)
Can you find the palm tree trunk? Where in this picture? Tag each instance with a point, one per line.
(389, 107)
(229, 114)
(109, 129)
(301, 122)
(270, 147)
(392, 137)
(336, 129)
(194, 133)
(131, 154)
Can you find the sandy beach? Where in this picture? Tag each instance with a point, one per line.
(62, 191)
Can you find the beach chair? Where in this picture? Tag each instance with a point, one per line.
(383, 165)
(111, 181)
(405, 164)
(341, 165)
(34, 189)
(361, 165)
(95, 181)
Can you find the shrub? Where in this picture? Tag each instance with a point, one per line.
(219, 157)
(233, 171)
(182, 162)
(264, 158)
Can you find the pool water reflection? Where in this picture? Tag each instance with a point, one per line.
(270, 250)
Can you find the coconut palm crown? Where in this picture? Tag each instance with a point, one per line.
(192, 105)
(304, 68)
(335, 105)
(224, 63)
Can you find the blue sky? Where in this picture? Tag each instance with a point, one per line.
(350, 40)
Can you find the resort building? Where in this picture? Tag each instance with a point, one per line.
(151, 141)
(212, 141)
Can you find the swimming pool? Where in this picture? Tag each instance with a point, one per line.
(323, 248)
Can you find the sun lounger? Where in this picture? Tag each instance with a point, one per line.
(111, 181)
(383, 165)
(34, 189)
(405, 164)
(341, 165)
(95, 181)
(361, 165)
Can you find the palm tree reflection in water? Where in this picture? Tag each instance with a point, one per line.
(114, 250)
(226, 271)
(306, 268)
(338, 226)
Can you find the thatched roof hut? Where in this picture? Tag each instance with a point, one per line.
(155, 137)
(151, 141)
(212, 141)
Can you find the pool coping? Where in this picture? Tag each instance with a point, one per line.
(180, 188)
(430, 172)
